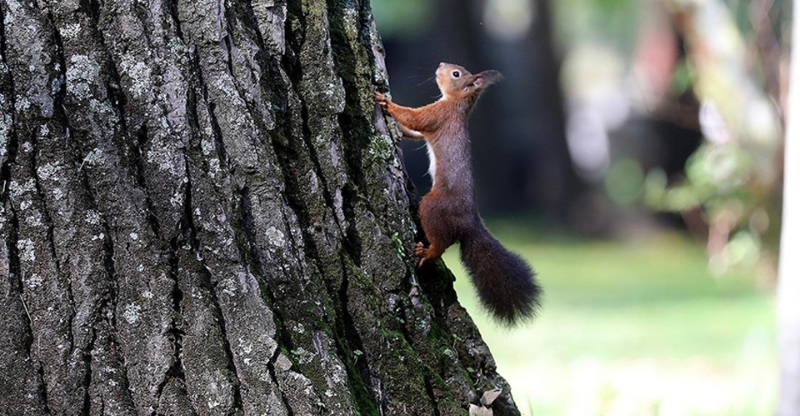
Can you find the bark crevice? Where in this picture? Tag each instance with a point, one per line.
(86, 356)
(43, 392)
(360, 379)
(207, 279)
(231, 364)
(219, 143)
(175, 331)
(431, 395)
(141, 176)
(274, 377)
(172, 8)
(226, 40)
(253, 256)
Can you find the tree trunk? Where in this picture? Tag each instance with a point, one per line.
(204, 213)
(789, 267)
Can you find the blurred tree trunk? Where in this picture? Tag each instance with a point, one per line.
(524, 151)
(204, 214)
(789, 268)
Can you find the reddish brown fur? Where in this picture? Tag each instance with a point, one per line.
(449, 211)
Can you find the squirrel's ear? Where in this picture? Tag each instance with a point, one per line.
(490, 77)
(486, 78)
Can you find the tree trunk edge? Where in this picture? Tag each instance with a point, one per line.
(789, 263)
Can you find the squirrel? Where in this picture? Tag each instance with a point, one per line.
(449, 213)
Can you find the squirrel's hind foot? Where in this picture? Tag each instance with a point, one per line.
(425, 254)
(419, 251)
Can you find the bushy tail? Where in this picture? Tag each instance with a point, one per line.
(505, 282)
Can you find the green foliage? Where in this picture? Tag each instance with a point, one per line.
(717, 180)
(614, 22)
(681, 78)
(624, 181)
(714, 174)
(732, 177)
(402, 19)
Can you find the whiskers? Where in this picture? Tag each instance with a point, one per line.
(427, 80)
(424, 81)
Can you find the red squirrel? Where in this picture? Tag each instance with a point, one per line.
(449, 212)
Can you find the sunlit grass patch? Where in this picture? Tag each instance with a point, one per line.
(632, 328)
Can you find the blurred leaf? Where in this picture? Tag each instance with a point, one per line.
(733, 175)
(681, 78)
(614, 22)
(717, 169)
(402, 19)
(625, 181)
(743, 249)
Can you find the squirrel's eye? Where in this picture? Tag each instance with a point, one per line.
(456, 74)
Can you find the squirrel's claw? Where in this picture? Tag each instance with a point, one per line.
(419, 251)
(381, 100)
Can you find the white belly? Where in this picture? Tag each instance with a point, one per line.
(432, 166)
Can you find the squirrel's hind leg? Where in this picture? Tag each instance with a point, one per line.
(437, 226)
(431, 252)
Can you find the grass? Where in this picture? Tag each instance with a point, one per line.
(634, 328)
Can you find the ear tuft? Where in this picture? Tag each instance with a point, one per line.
(486, 78)
(491, 76)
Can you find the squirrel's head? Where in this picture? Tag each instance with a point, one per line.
(456, 83)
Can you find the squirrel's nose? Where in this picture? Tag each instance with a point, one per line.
(441, 64)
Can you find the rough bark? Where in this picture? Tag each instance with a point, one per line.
(204, 213)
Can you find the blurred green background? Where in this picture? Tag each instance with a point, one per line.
(634, 327)
(633, 155)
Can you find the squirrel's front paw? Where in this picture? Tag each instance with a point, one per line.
(381, 100)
